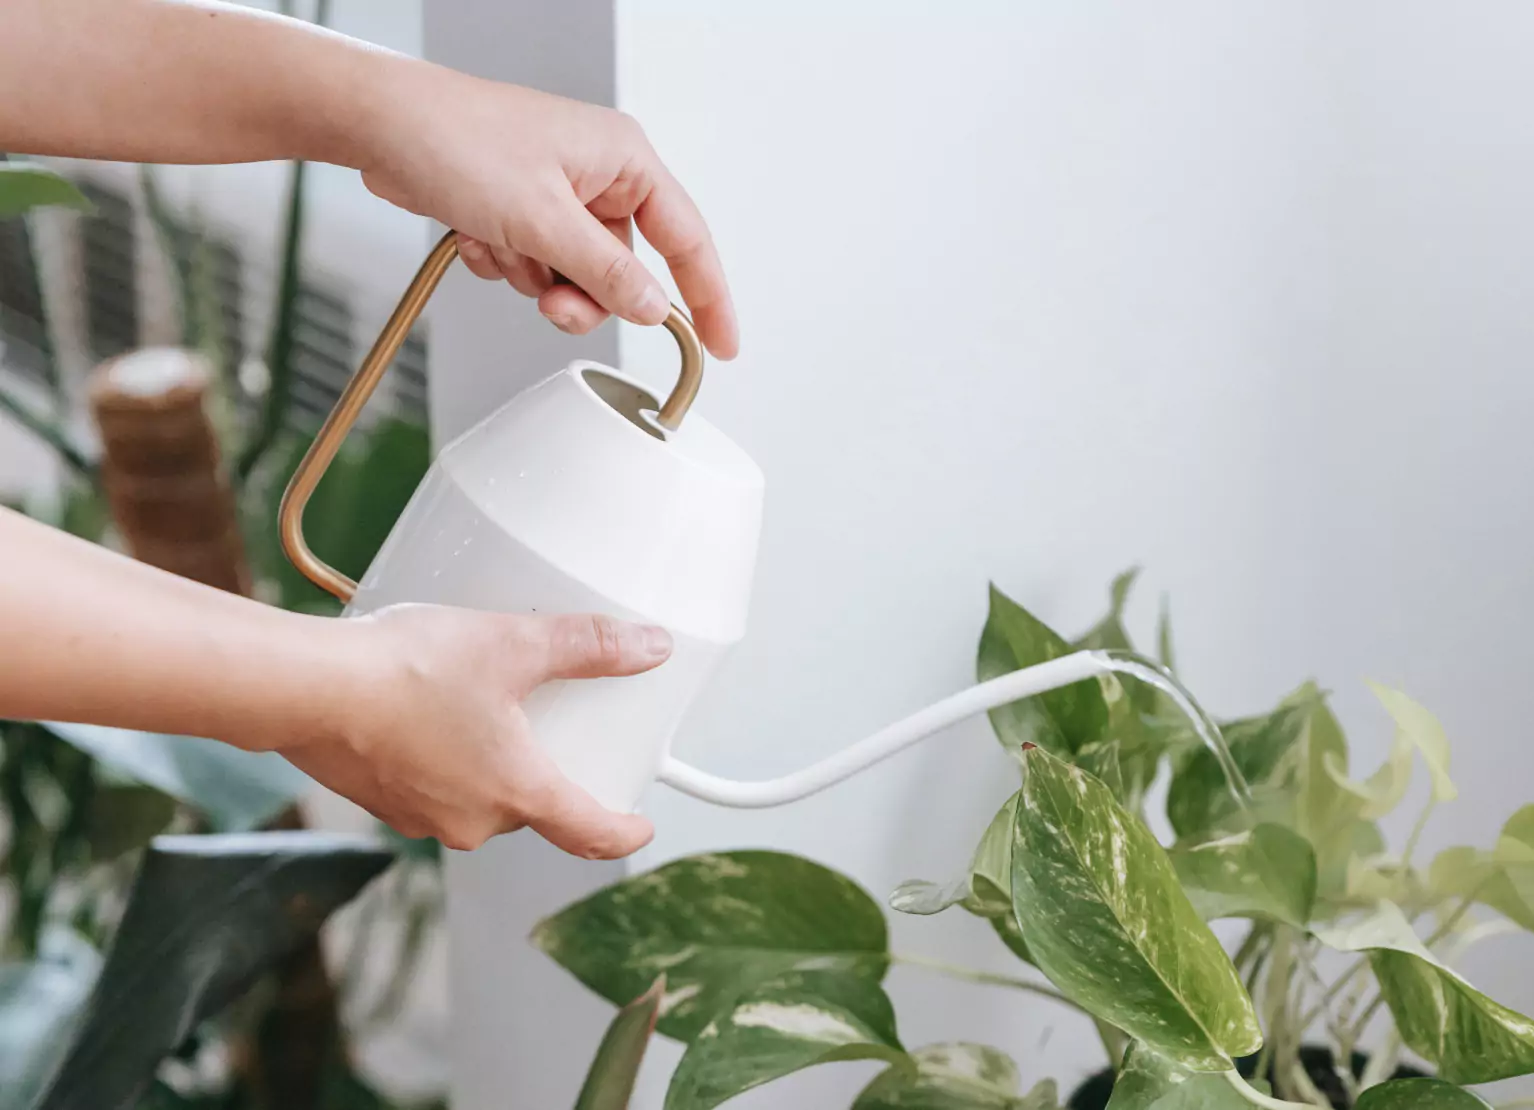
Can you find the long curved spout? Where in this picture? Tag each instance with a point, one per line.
(1038, 679)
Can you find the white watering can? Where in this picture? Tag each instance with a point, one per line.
(584, 494)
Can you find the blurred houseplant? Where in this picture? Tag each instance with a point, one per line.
(81, 803)
(765, 963)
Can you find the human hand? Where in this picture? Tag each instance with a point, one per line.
(537, 184)
(431, 738)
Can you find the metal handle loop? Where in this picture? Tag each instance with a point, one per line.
(327, 443)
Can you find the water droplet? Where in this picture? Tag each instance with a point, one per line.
(521, 474)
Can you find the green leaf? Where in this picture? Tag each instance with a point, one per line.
(24, 186)
(782, 1026)
(1149, 1079)
(1164, 653)
(1269, 871)
(124, 818)
(715, 924)
(1418, 1094)
(236, 790)
(610, 1081)
(1102, 762)
(1199, 802)
(1424, 732)
(955, 1077)
(1441, 1017)
(1382, 791)
(1107, 921)
(985, 890)
(207, 917)
(1063, 721)
(1109, 633)
(1502, 879)
(40, 1004)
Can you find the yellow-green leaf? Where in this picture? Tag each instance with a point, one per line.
(715, 924)
(955, 1077)
(1149, 1079)
(1418, 1094)
(24, 186)
(1424, 732)
(1442, 1018)
(1107, 921)
(1269, 871)
(797, 1021)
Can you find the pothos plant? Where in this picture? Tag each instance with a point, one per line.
(764, 963)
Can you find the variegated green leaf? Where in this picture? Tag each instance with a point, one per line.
(1063, 721)
(1107, 921)
(610, 1080)
(955, 1077)
(1149, 1079)
(1267, 751)
(1424, 732)
(1418, 1094)
(985, 890)
(1103, 762)
(1441, 1017)
(1502, 879)
(716, 924)
(1382, 791)
(779, 1027)
(1269, 871)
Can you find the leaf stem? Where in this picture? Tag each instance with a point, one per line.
(49, 433)
(1257, 1098)
(1416, 834)
(974, 975)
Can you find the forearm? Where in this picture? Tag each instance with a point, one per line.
(180, 81)
(88, 635)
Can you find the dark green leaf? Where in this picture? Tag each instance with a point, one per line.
(954, 1077)
(1106, 920)
(610, 1081)
(207, 916)
(40, 1003)
(1102, 762)
(1441, 1017)
(1199, 803)
(1109, 633)
(715, 924)
(1269, 871)
(1063, 721)
(779, 1027)
(1148, 1079)
(236, 790)
(1418, 1094)
(24, 186)
(124, 818)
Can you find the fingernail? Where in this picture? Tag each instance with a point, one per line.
(559, 320)
(653, 304)
(657, 642)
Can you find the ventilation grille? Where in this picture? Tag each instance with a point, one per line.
(114, 243)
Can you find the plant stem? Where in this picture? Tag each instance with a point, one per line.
(973, 975)
(1455, 915)
(1257, 1098)
(50, 434)
(1115, 1043)
(1416, 835)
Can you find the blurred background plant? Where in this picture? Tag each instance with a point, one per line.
(175, 448)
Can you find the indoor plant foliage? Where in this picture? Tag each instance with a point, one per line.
(772, 963)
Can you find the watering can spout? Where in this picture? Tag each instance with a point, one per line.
(1008, 688)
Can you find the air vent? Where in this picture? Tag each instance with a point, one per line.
(22, 332)
(111, 272)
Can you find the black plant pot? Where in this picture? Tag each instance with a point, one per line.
(1317, 1060)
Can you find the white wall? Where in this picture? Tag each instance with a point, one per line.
(1033, 291)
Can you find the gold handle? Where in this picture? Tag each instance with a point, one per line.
(323, 450)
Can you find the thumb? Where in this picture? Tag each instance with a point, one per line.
(575, 822)
(581, 247)
(596, 646)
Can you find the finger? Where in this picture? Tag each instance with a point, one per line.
(574, 821)
(575, 243)
(567, 305)
(527, 275)
(592, 646)
(672, 224)
(476, 256)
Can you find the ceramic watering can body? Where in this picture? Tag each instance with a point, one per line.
(586, 494)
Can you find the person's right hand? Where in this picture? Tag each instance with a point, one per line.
(430, 736)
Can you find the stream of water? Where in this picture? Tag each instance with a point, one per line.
(1146, 670)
